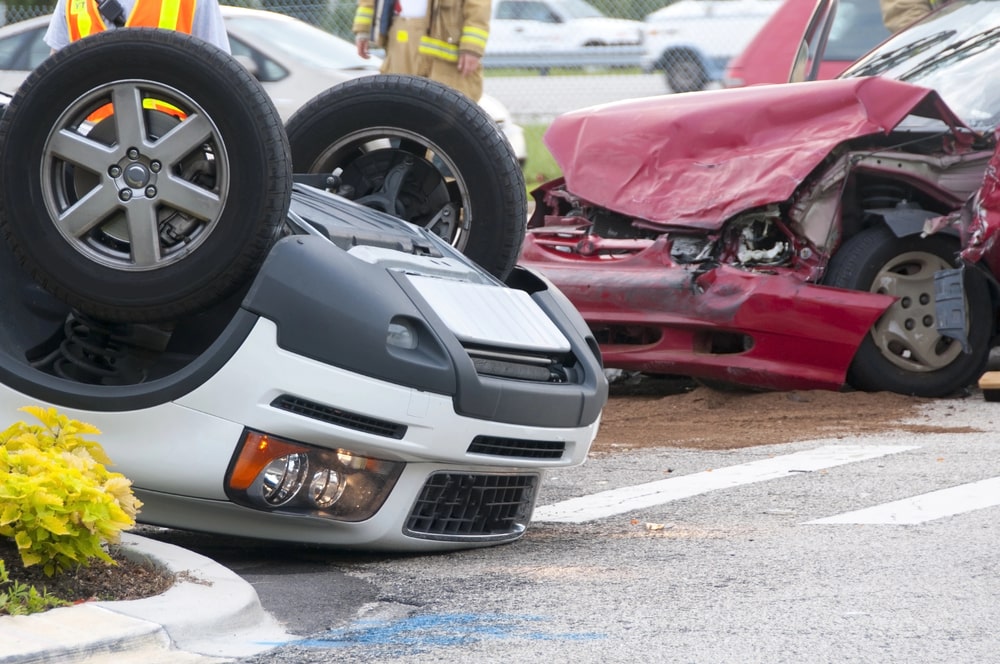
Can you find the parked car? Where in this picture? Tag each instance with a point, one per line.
(533, 32)
(268, 358)
(856, 29)
(792, 236)
(294, 61)
(691, 41)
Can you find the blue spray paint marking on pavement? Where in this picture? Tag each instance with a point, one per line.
(441, 630)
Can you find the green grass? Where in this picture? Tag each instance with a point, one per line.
(539, 167)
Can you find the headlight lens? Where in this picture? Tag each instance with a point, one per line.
(326, 488)
(283, 478)
(269, 473)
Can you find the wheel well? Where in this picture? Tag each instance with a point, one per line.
(901, 205)
(673, 55)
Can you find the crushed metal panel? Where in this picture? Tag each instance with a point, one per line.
(697, 159)
(981, 219)
(804, 336)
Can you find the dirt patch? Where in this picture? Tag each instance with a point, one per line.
(666, 412)
(126, 580)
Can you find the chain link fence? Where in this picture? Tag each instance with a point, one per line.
(546, 57)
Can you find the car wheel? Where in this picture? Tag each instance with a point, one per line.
(146, 175)
(421, 151)
(903, 352)
(684, 73)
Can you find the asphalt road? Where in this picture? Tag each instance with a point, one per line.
(750, 555)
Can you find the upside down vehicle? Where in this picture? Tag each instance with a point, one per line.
(277, 357)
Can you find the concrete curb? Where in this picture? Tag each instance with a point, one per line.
(208, 615)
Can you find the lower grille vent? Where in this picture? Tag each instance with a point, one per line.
(461, 507)
(343, 418)
(522, 366)
(516, 447)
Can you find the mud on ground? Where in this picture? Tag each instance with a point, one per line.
(648, 411)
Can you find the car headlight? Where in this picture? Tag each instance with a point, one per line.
(270, 473)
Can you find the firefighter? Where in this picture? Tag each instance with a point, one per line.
(75, 19)
(429, 38)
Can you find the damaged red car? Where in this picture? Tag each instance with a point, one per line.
(800, 236)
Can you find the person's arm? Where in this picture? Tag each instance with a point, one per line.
(362, 28)
(57, 34)
(209, 24)
(475, 33)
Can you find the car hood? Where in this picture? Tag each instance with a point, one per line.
(697, 159)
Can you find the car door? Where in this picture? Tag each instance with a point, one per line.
(524, 26)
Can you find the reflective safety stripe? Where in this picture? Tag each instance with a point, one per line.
(83, 18)
(473, 39)
(108, 110)
(167, 14)
(402, 36)
(436, 48)
(363, 17)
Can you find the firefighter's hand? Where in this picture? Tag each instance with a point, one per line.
(362, 42)
(467, 63)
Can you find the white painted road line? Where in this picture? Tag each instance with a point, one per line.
(627, 499)
(926, 507)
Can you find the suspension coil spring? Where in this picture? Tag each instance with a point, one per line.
(92, 351)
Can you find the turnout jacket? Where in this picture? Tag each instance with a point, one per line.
(453, 26)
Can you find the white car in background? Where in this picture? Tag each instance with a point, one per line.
(691, 41)
(556, 25)
(293, 60)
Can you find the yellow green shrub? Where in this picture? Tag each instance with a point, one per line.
(58, 501)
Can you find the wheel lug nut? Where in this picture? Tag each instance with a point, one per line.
(928, 321)
(115, 171)
(906, 302)
(133, 154)
(125, 194)
(150, 192)
(909, 324)
(925, 298)
(155, 166)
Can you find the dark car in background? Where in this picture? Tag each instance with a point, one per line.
(797, 236)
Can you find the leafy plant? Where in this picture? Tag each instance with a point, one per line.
(19, 599)
(58, 501)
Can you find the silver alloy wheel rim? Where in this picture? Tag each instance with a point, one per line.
(906, 334)
(130, 195)
(373, 139)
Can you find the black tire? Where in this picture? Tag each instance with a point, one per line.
(423, 152)
(684, 72)
(148, 214)
(903, 352)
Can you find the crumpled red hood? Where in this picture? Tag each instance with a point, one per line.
(697, 159)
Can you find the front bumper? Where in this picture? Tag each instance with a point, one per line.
(466, 482)
(769, 330)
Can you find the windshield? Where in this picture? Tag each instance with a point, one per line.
(302, 41)
(579, 9)
(955, 51)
